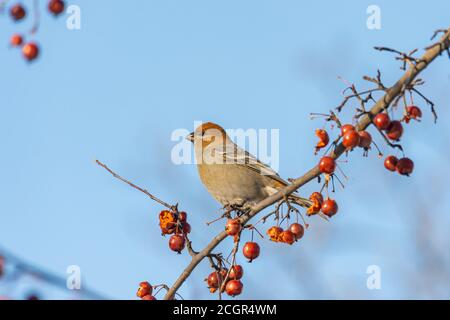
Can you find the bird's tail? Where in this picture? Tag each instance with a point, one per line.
(305, 203)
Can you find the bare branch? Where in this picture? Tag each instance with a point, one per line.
(115, 175)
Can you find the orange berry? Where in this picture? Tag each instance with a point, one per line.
(144, 289)
(274, 233)
(287, 237)
(233, 227)
(16, 40)
(350, 139)
(30, 51)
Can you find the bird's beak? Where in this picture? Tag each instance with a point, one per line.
(190, 137)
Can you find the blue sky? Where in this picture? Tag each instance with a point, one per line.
(116, 89)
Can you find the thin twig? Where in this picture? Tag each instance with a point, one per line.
(115, 175)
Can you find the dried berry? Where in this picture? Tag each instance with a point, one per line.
(233, 227)
(324, 139)
(144, 289)
(317, 200)
(274, 233)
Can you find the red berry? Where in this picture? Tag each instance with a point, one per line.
(365, 139)
(327, 165)
(213, 280)
(390, 163)
(56, 6)
(329, 207)
(298, 230)
(350, 139)
(182, 216)
(234, 287)
(148, 297)
(395, 130)
(144, 289)
(177, 243)
(382, 121)
(405, 166)
(223, 273)
(251, 250)
(186, 228)
(233, 227)
(346, 128)
(287, 237)
(16, 40)
(30, 51)
(17, 12)
(236, 272)
(413, 112)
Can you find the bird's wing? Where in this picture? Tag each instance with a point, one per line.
(237, 155)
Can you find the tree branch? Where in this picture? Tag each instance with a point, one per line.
(383, 103)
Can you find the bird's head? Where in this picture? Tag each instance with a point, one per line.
(207, 133)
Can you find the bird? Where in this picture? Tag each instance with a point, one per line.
(233, 176)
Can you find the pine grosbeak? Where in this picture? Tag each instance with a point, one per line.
(231, 175)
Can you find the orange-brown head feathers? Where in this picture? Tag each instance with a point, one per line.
(209, 126)
(207, 133)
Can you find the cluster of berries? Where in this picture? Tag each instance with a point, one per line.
(328, 206)
(175, 223)
(233, 285)
(394, 130)
(293, 233)
(30, 50)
